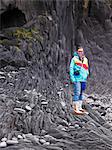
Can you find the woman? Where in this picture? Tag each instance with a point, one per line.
(78, 74)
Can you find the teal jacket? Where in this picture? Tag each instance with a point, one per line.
(82, 67)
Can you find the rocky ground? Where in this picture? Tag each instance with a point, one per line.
(35, 90)
(43, 119)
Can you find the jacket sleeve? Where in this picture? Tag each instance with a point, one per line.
(72, 70)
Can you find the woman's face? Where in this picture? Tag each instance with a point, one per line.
(81, 54)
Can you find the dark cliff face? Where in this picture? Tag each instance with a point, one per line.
(37, 41)
(64, 25)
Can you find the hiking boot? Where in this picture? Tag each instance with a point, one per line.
(76, 108)
(81, 109)
(84, 111)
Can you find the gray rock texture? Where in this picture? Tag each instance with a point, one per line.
(37, 42)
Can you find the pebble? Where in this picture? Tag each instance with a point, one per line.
(47, 143)
(47, 137)
(24, 136)
(109, 110)
(27, 91)
(43, 132)
(14, 138)
(77, 126)
(2, 73)
(26, 140)
(59, 93)
(50, 18)
(32, 105)
(60, 127)
(4, 139)
(42, 141)
(71, 127)
(1, 77)
(28, 134)
(3, 144)
(63, 103)
(20, 137)
(63, 129)
(36, 139)
(12, 142)
(20, 110)
(28, 108)
(44, 103)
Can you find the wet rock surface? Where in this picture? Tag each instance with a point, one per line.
(35, 91)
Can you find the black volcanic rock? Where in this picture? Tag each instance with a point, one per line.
(35, 88)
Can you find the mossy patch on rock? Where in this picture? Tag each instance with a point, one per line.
(7, 42)
(14, 36)
(22, 33)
